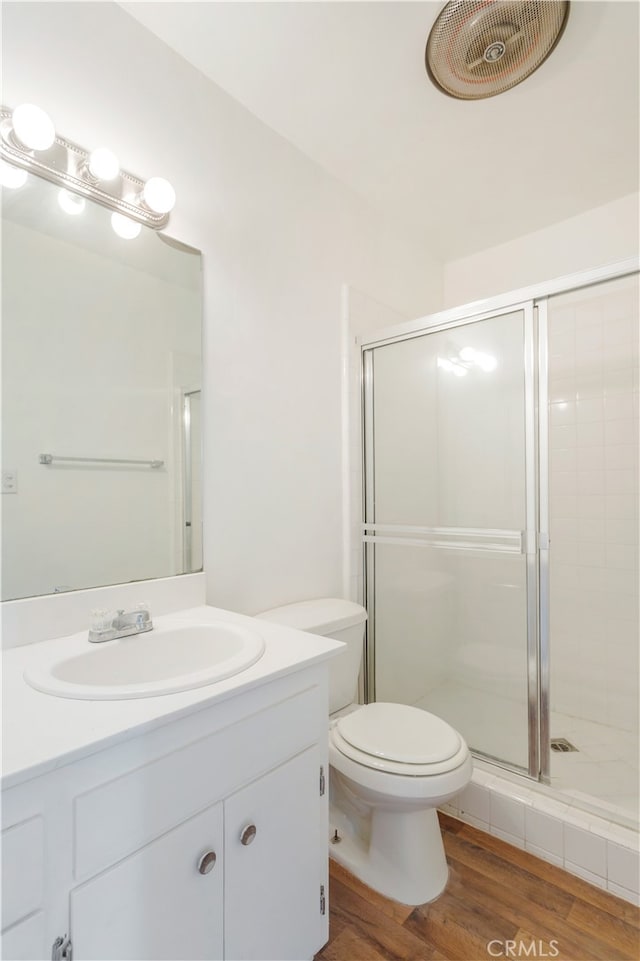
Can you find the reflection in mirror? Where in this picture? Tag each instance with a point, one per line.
(101, 364)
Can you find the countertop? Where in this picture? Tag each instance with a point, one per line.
(42, 732)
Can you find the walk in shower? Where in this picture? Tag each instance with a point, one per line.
(501, 530)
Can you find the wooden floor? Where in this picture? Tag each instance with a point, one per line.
(496, 894)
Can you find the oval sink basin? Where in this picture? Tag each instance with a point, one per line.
(163, 661)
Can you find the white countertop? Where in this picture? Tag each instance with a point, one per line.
(42, 732)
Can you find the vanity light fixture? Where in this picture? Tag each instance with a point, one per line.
(29, 143)
(103, 164)
(32, 128)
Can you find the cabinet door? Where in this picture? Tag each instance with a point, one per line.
(156, 904)
(272, 884)
(25, 941)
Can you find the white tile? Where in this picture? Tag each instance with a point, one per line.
(617, 381)
(591, 433)
(562, 438)
(623, 893)
(516, 842)
(475, 822)
(589, 409)
(563, 390)
(580, 872)
(623, 867)
(544, 832)
(544, 855)
(507, 815)
(592, 481)
(585, 850)
(618, 406)
(620, 457)
(475, 800)
(590, 458)
(562, 413)
(622, 482)
(623, 431)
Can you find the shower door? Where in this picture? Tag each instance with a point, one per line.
(450, 522)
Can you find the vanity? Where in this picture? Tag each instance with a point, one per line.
(180, 826)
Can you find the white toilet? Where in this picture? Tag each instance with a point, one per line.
(391, 766)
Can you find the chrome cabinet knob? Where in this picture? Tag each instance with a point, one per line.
(248, 834)
(206, 862)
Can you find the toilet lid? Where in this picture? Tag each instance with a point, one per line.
(397, 732)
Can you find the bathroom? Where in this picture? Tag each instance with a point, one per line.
(312, 236)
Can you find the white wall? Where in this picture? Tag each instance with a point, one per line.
(279, 238)
(603, 235)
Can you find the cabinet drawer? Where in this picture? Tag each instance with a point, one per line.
(22, 870)
(119, 817)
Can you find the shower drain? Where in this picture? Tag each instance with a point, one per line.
(561, 746)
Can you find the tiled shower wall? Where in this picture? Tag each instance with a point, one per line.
(593, 485)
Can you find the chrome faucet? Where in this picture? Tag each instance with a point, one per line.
(109, 625)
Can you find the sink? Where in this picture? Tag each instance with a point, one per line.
(166, 660)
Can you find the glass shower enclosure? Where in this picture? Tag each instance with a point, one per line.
(451, 529)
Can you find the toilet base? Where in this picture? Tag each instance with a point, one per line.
(397, 853)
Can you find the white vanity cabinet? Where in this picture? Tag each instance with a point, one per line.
(204, 839)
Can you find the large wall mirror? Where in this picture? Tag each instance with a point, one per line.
(101, 381)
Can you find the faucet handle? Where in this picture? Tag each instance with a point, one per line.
(100, 620)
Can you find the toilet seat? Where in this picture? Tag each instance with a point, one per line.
(399, 739)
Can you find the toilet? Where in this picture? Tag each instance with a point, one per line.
(391, 766)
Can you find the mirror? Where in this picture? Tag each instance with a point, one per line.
(101, 382)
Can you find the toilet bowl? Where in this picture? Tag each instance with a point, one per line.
(391, 766)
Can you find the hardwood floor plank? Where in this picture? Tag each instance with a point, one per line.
(459, 928)
(349, 946)
(543, 922)
(602, 900)
(393, 909)
(617, 934)
(378, 930)
(494, 866)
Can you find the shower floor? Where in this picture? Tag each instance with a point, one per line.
(603, 773)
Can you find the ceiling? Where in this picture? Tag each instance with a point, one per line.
(346, 84)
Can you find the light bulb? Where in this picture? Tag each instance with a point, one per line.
(11, 176)
(159, 195)
(33, 127)
(125, 227)
(71, 203)
(103, 164)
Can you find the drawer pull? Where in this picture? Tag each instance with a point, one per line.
(207, 862)
(248, 834)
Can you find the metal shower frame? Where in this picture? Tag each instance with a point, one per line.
(532, 301)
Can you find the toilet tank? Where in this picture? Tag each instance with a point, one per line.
(330, 617)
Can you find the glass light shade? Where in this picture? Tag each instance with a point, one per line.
(124, 227)
(33, 127)
(103, 164)
(11, 176)
(159, 195)
(71, 203)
